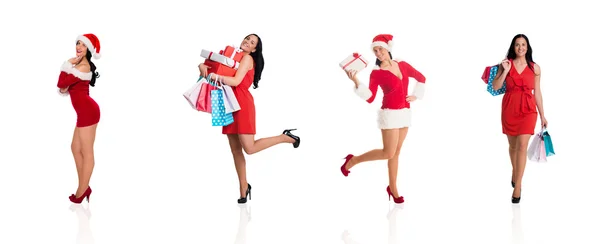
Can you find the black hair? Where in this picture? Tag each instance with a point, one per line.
(95, 74)
(511, 54)
(259, 61)
(378, 62)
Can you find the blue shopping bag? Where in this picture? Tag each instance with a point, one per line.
(492, 75)
(219, 116)
(548, 143)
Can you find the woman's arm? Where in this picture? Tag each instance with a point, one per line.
(419, 90)
(538, 91)
(245, 65)
(364, 92)
(69, 75)
(499, 79)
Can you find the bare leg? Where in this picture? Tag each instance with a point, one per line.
(251, 146)
(78, 156)
(522, 142)
(393, 162)
(240, 162)
(390, 142)
(87, 137)
(512, 152)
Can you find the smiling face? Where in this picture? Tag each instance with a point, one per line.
(81, 49)
(381, 53)
(249, 44)
(520, 47)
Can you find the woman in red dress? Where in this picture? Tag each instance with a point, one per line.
(76, 76)
(241, 132)
(395, 116)
(519, 113)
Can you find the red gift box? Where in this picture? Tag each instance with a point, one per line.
(219, 68)
(222, 69)
(233, 53)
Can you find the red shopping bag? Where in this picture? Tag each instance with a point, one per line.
(203, 104)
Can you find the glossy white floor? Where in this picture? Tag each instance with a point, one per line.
(140, 202)
(164, 175)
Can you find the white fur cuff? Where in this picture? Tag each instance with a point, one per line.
(68, 68)
(419, 90)
(62, 93)
(363, 91)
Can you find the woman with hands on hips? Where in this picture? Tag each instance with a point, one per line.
(243, 129)
(519, 114)
(394, 118)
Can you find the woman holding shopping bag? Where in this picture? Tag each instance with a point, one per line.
(519, 115)
(394, 118)
(241, 132)
(76, 76)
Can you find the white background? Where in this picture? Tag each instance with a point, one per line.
(164, 174)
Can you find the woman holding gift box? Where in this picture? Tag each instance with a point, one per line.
(519, 113)
(241, 132)
(394, 118)
(76, 76)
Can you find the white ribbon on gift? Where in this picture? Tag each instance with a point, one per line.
(219, 58)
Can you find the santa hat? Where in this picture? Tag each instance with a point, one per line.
(383, 40)
(92, 43)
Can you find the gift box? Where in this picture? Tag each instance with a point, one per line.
(230, 56)
(233, 53)
(354, 61)
(219, 68)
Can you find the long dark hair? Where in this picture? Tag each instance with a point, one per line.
(511, 54)
(259, 61)
(378, 62)
(95, 74)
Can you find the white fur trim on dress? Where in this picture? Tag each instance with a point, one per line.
(62, 93)
(363, 91)
(394, 118)
(419, 90)
(382, 44)
(68, 68)
(89, 45)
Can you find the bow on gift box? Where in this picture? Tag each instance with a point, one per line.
(356, 56)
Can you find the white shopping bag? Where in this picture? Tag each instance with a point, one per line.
(537, 151)
(231, 102)
(191, 95)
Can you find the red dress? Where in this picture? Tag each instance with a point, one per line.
(77, 82)
(519, 113)
(395, 110)
(244, 121)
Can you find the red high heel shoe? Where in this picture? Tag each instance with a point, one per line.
(86, 195)
(343, 168)
(390, 195)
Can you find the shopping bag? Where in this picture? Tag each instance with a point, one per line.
(533, 152)
(219, 116)
(542, 153)
(547, 143)
(191, 95)
(203, 103)
(231, 102)
(492, 74)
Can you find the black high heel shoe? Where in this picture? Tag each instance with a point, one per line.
(513, 184)
(516, 199)
(289, 133)
(248, 195)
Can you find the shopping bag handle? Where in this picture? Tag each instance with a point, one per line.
(207, 78)
(218, 85)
